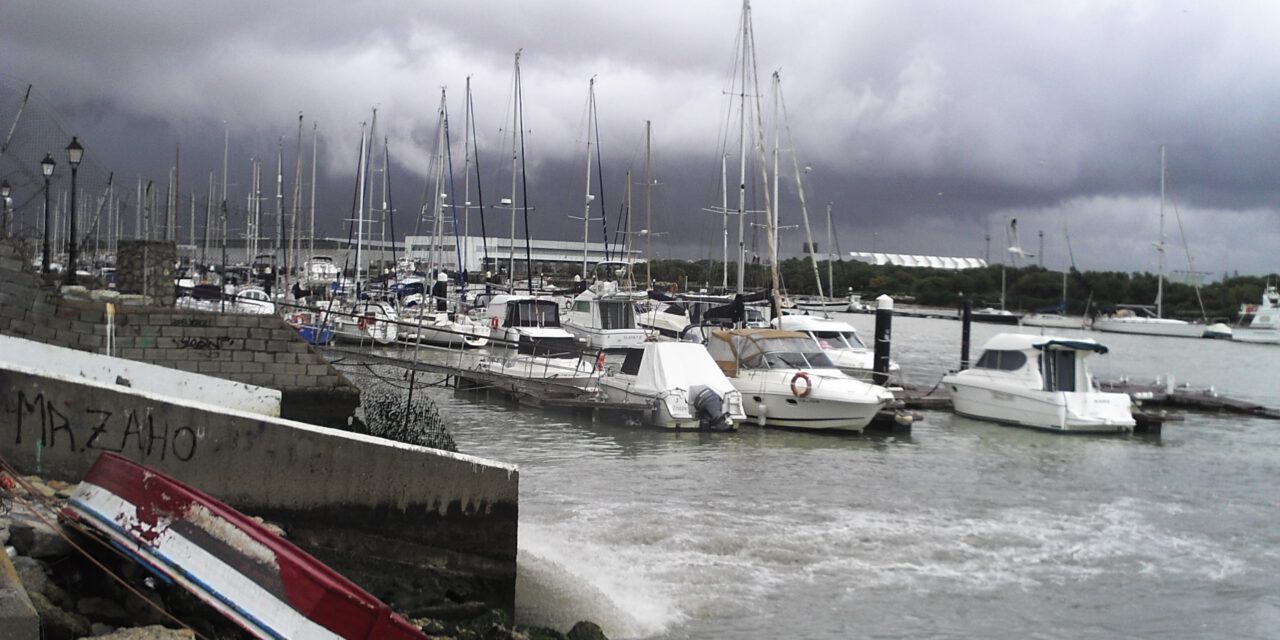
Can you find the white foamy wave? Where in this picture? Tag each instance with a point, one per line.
(561, 580)
(1019, 547)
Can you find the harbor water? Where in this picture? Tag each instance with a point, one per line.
(962, 529)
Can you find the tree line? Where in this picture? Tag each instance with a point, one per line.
(1026, 289)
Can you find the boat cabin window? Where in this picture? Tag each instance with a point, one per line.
(1001, 360)
(616, 314)
(797, 360)
(582, 305)
(631, 365)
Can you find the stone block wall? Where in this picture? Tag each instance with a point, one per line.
(253, 349)
(146, 267)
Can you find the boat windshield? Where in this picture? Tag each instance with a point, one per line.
(784, 353)
(548, 347)
(838, 339)
(533, 313)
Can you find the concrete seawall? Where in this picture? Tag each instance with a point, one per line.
(385, 514)
(443, 520)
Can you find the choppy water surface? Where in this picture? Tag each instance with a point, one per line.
(962, 530)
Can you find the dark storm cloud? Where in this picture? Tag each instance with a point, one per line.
(926, 125)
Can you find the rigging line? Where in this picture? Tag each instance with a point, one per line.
(390, 208)
(1191, 263)
(475, 145)
(457, 244)
(524, 187)
(604, 219)
(346, 261)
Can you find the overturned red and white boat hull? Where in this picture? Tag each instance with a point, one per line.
(262, 582)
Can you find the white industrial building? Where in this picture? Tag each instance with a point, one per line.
(547, 255)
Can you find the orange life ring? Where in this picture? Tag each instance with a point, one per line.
(797, 390)
(493, 322)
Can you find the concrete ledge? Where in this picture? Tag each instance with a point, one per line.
(441, 518)
(18, 617)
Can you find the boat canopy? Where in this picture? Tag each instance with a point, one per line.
(1078, 345)
(765, 349)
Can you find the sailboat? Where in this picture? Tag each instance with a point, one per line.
(604, 314)
(1056, 317)
(1130, 318)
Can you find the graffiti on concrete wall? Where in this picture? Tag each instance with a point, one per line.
(211, 347)
(38, 418)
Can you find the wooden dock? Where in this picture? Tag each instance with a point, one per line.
(1145, 398)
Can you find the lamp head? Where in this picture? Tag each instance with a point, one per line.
(46, 165)
(75, 152)
(4, 189)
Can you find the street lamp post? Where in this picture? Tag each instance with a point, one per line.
(4, 196)
(46, 168)
(74, 154)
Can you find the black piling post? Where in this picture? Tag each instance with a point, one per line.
(884, 323)
(966, 317)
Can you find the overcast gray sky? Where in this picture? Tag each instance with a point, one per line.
(926, 125)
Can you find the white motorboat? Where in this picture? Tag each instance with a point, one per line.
(994, 316)
(664, 319)
(1257, 336)
(1265, 315)
(527, 341)
(441, 328)
(787, 381)
(253, 300)
(839, 340)
(318, 272)
(681, 383)
(1040, 382)
(605, 317)
(367, 321)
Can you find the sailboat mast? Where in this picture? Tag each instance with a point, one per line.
(831, 282)
(648, 209)
(315, 140)
(1160, 244)
(515, 164)
(291, 239)
(360, 180)
(724, 210)
(466, 178)
(742, 150)
(437, 231)
(586, 213)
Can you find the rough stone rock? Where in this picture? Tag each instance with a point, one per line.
(33, 538)
(153, 632)
(56, 623)
(103, 610)
(35, 579)
(585, 630)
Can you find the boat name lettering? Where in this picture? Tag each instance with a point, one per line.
(129, 431)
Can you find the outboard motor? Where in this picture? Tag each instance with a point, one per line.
(711, 413)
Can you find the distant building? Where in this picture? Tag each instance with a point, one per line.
(548, 255)
(932, 262)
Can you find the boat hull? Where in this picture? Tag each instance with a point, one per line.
(1150, 327)
(835, 403)
(1076, 412)
(255, 578)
